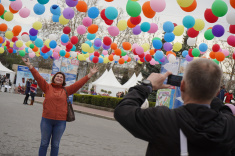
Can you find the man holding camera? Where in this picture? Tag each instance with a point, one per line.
(193, 129)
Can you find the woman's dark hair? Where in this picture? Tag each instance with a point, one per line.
(53, 78)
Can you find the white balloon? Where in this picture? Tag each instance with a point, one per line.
(116, 58)
(191, 41)
(231, 18)
(31, 55)
(172, 58)
(30, 50)
(25, 38)
(73, 54)
(53, 37)
(88, 60)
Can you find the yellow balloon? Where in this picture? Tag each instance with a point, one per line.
(134, 0)
(86, 55)
(140, 62)
(199, 24)
(81, 57)
(8, 16)
(3, 44)
(28, 43)
(91, 49)
(106, 60)
(37, 25)
(146, 47)
(178, 30)
(122, 25)
(63, 20)
(37, 54)
(185, 3)
(9, 35)
(85, 47)
(11, 44)
(19, 44)
(47, 42)
(177, 46)
(1, 50)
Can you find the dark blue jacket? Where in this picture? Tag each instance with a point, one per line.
(27, 89)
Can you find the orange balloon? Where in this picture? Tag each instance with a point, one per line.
(1, 39)
(67, 55)
(147, 10)
(209, 28)
(212, 55)
(111, 57)
(11, 10)
(129, 24)
(108, 0)
(232, 2)
(152, 52)
(191, 8)
(17, 29)
(126, 45)
(121, 61)
(92, 29)
(118, 52)
(35, 49)
(219, 56)
(129, 59)
(81, 6)
(2, 9)
(170, 52)
(114, 46)
(3, 27)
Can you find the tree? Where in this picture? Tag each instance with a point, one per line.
(8, 59)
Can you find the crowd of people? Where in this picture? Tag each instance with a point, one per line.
(226, 97)
(120, 94)
(5, 83)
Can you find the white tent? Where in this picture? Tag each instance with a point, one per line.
(101, 78)
(140, 77)
(4, 70)
(131, 82)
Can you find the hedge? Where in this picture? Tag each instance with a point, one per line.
(97, 100)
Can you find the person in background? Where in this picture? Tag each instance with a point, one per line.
(27, 91)
(55, 107)
(229, 96)
(33, 91)
(221, 93)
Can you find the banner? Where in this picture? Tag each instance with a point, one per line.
(70, 79)
(46, 76)
(69, 66)
(23, 74)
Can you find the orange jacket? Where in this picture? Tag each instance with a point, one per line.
(55, 103)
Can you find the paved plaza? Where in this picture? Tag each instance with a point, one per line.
(87, 136)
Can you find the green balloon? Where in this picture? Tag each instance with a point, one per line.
(123, 52)
(156, 38)
(208, 34)
(22, 53)
(5, 48)
(217, 62)
(31, 45)
(219, 8)
(2, 17)
(196, 52)
(133, 8)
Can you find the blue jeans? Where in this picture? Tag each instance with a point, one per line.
(51, 129)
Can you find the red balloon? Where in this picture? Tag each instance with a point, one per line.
(102, 15)
(215, 48)
(10, 50)
(109, 22)
(234, 56)
(175, 24)
(232, 29)
(209, 16)
(45, 49)
(190, 52)
(148, 57)
(95, 59)
(134, 52)
(141, 55)
(142, 60)
(96, 53)
(135, 20)
(24, 33)
(67, 30)
(74, 40)
(192, 32)
(69, 45)
(67, 50)
(7, 43)
(14, 39)
(107, 40)
(231, 40)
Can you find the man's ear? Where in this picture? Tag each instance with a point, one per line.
(182, 86)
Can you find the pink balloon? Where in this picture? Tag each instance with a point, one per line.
(64, 44)
(136, 58)
(55, 55)
(113, 30)
(105, 52)
(125, 57)
(24, 12)
(87, 21)
(152, 62)
(158, 5)
(81, 29)
(202, 52)
(134, 45)
(57, 49)
(139, 50)
(231, 40)
(16, 5)
(31, 55)
(226, 52)
(153, 28)
(22, 48)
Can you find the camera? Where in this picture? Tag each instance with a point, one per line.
(174, 80)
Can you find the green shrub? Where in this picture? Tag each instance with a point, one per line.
(152, 104)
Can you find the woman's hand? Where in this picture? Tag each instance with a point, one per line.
(92, 71)
(27, 63)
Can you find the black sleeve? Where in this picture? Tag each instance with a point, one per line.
(145, 124)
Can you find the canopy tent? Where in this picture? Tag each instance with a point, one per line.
(140, 77)
(101, 78)
(4, 71)
(131, 82)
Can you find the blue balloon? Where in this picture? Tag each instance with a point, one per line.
(158, 55)
(96, 47)
(43, 1)
(91, 57)
(145, 26)
(111, 13)
(45, 56)
(168, 26)
(185, 53)
(91, 36)
(14, 51)
(157, 44)
(101, 60)
(52, 44)
(156, 59)
(62, 52)
(89, 43)
(93, 12)
(49, 53)
(39, 9)
(27, 50)
(203, 47)
(55, 9)
(84, 52)
(32, 38)
(41, 53)
(169, 37)
(55, 18)
(188, 21)
(73, 48)
(38, 42)
(64, 38)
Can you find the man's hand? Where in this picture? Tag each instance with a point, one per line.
(158, 79)
(92, 71)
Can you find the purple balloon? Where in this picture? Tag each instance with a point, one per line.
(136, 30)
(15, 47)
(218, 30)
(33, 32)
(163, 59)
(3, 39)
(71, 3)
(97, 43)
(68, 13)
(188, 58)
(105, 47)
(167, 46)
